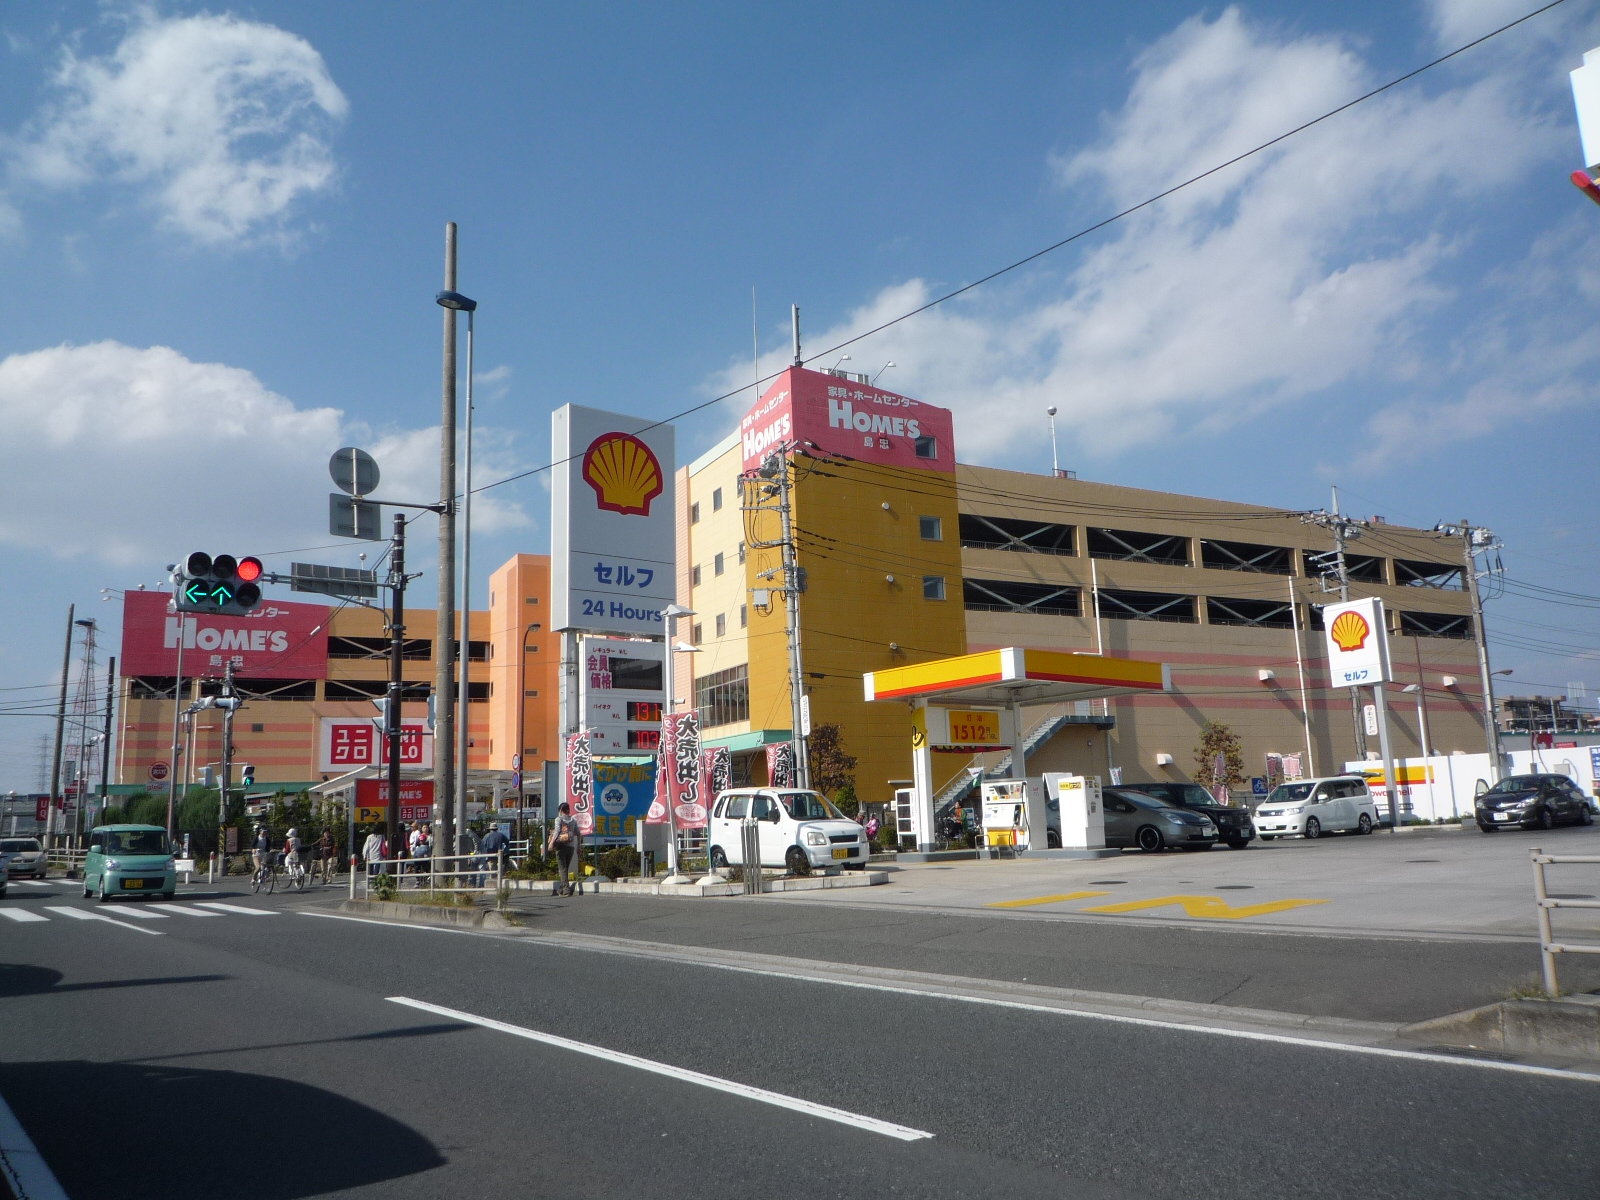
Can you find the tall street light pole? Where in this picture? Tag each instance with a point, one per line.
(522, 728)
(669, 623)
(444, 631)
(456, 302)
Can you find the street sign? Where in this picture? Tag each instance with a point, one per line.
(1357, 642)
(333, 581)
(158, 771)
(1258, 785)
(353, 518)
(1369, 715)
(354, 471)
(805, 716)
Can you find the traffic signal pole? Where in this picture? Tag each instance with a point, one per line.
(397, 646)
(61, 728)
(227, 703)
(444, 728)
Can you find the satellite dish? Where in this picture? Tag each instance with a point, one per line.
(354, 471)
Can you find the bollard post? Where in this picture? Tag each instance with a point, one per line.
(353, 861)
(1547, 956)
(211, 868)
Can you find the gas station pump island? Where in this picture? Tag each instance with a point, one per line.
(973, 704)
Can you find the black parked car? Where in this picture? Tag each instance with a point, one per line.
(1532, 802)
(1233, 824)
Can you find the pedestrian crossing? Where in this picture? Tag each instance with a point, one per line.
(138, 917)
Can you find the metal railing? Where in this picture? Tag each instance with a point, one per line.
(68, 860)
(750, 851)
(1548, 946)
(443, 873)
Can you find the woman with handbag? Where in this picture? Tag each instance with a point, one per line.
(564, 841)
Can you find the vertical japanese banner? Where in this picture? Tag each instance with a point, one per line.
(658, 807)
(684, 763)
(780, 764)
(716, 771)
(580, 781)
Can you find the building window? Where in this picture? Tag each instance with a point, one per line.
(694, 575)
(1262, 614)
(933, 587)
(1131, 545)
(694, 514)
(1117, 605)
(1410, 573)
(1007, 533)
(932, 529)
(1005, 595)
(927, 447)
(741, 554)
(699, 634)
(258, 727)
(530, 693)
(716, 500)
(724, 697)
(1442, 625)
(744, 615)
(532, 600)
(716, 565)
(1246, 556)
(722, 624)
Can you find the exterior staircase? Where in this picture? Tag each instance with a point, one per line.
(1056, 719)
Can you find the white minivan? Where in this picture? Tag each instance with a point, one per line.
(799, 830)
(1309, 808)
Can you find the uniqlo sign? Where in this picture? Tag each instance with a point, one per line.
(351, 742)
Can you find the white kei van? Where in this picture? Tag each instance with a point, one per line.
(798, 830)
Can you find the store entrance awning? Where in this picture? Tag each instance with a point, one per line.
(1016, 675)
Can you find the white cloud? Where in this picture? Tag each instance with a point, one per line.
(130, 456)
(1307, 266)
(222, 123)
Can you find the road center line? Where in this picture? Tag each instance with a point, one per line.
(80, 915)
(811, 1108)
(22, 1164)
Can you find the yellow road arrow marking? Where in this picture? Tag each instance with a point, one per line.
(1205, 906)
(1044, 900)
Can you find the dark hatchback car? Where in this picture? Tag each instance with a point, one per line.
(1532, 802)
(1233, 824)
(1135, 819)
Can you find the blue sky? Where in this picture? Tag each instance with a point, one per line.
(222, 230)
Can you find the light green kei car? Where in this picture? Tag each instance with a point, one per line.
(129, 860)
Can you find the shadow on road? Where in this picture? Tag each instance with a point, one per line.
(23, 979)
(122, 1132)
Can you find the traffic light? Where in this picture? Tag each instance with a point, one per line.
(247, 774)
(223, 584)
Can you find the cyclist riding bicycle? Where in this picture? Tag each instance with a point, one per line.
(262, 848)
(291, 850)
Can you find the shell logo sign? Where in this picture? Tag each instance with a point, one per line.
(1350, 631)
(624, 473)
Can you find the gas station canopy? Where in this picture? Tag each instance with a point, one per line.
(1015, 675)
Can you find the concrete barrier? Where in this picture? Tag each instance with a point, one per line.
(1568, 1027)
(430, 914)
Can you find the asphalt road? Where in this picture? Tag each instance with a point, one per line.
(243, 1055)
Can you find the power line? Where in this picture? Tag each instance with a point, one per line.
(1067, 241)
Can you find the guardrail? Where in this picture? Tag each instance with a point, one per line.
(443, 873)
(1548, 946)
(68, 860)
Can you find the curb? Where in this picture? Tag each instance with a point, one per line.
(428, 914)
(1566, 1027)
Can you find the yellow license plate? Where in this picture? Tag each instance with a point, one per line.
(133, 883)
(841, 852)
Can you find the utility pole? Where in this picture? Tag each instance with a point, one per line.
(444, 725)
(393, 729)
(227, 703)
(105, 736)
(792, 580)
(1471, 539)
(82, 710)
(173, 775)
(61, 729)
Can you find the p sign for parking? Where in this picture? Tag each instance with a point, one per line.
(1358, 643)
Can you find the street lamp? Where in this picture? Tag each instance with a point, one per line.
(1055, 459)
(522, 728)
(459, 303)
(669, 621)
(881, 370)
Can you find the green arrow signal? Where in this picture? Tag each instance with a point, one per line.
(222, 594)
(194, 591)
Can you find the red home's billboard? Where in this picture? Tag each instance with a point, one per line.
(279, 640)
(849, 419)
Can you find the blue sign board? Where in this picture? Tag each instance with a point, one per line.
(1258, 785)
(623, 792)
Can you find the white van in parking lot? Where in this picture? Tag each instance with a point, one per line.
(1312, 807)
(798, 830)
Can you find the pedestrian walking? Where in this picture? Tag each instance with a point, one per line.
(327, 855)
(564, 841)
(494, 846)
(372, 851)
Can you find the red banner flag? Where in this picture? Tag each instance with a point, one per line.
(683, 764)
(579, 780)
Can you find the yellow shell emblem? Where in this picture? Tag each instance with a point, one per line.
(1350, 631)
(624, 473)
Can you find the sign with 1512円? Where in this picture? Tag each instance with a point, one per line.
(1358, 643)
(964, 730)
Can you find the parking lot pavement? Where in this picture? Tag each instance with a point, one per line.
(1435, 882)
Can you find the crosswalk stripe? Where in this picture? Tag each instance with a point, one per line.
(80, 915)
(238, 908)
(189, 912)
(31, 883)
(21, 914)
(142, 914)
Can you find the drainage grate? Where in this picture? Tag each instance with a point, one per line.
(1470, 1052)
(1409, 860)
(1105, 882)
(1221, 887)
(1569, 895)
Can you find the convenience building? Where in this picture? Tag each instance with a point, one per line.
(908, 555)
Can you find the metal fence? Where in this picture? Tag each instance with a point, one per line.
(1548, 946)
(442, 873)
(750, 851)
(69, 861)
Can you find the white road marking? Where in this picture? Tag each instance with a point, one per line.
(238, 908)
(189, 912)
(21, 914)
(30, 883)
(142, 914)
(89, 916)
(21, 1163)
(809, 1107)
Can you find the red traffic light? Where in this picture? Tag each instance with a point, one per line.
(249, 569)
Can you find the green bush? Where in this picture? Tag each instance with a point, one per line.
(845, 801)
(383, 887)
(619, 862)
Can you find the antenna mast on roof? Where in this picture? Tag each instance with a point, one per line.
(798, 361)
